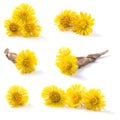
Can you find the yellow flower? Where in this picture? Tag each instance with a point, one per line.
(66, 62)
(64, 19)
(94, 100)
(67, 65)
(23, 13)
(13, 27)
(63, 52)
(75, 95)
(17, 96)
(54, 96)
(25, 61)
(83, 25)
(31, 29)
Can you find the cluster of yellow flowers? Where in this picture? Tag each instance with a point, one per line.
(23, 22)
(75, 96)
(79, 23)
(66, 62)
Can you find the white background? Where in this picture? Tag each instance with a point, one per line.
(103, 74)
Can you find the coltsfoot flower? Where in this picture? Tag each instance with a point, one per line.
(83, 25)
(13, 27)
(66, 62)
(54, 96)
(31, 29)
(94, 100)
(17, 96)
(69, 64)
(62, 52)
(64, 19)
(26, 61)
(24, 13)
(75, 95)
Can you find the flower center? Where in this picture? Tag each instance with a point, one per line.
(23, 16)
(68, 66)
(94, 101)
(83, 24)
(55, 97)
(76, 99)
(26, 62)
(17, 97)
(13, 27)
(65, 21)
(29, 27)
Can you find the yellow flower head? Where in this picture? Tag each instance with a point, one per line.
(63, 52)
(64, 19)
(66, 62)
(24, 12)
(94, 100)
(17, 96)
(26, 61)
(83, 25)
(75, 95)
(31, 29)
(13, 27)
(67, 65)
(54, 96)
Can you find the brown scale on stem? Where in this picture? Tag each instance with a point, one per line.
(11, 56)
(82, 61)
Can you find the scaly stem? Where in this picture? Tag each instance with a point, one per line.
(9, 55)
(82, 61)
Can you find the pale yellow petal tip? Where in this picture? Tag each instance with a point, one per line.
(26, 61)
(66, 62)
(53, 96)
(17, 96)
(23, 22)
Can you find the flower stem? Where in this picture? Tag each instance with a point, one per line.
(82, 61)
(11, 56)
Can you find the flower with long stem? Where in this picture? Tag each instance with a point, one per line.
(69, 64)
(25, 61)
